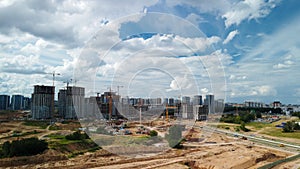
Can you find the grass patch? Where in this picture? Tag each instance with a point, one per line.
(64, 141)
(123, 140)
(258, 125)
(57, 140)
(277, 132)
(54, 127)
(55, 136)
(19, 134)
(74, 154)
(40, 124)
(71, 148)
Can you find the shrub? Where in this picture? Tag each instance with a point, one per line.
(153, 133)
(243, 127)
(77, 136)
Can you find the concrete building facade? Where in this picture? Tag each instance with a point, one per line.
(17, 102)
(186, 100)
(4, 102)
(71, 102)
(42, 106)
(62, 102)
(197, 100)
(210, 102)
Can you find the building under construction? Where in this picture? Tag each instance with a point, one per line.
(71, 102)
(42, 102)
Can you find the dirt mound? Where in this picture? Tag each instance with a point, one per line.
(265, 157)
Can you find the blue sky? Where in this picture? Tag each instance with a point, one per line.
(237, 50)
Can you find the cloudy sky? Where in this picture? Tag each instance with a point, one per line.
(237, 50)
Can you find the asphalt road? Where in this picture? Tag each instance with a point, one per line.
(258, 139)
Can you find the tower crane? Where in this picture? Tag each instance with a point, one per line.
(53, 79)
(110, 104)
(53, 76)
(119, 89)
(68, 82)
(167, 111)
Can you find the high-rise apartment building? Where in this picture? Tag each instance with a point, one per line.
(186, 100)
(74, 102)
(62, 102)
(27, 103)
(4, 102)
(42, 102)
(71, 102)
(210, 102)
(197, 100)
(17, 102)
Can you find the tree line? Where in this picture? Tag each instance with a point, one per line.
(23, 147)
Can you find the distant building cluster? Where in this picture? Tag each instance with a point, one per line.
(287, 109)
(15, 102)
(73, 104)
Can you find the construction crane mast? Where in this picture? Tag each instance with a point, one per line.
(110, 104)
(167, 111)
(118, 87)
(53, 79)
(53, 76)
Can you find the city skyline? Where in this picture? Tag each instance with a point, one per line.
(248, 48)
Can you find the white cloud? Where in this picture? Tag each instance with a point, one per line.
(204, 90)
(195, 19)
(182, 83)
(54, 32)
(248, 9)
(272, 62)
(264, 90)
(230, 36)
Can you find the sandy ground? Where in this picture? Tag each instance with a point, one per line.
(223, 154)
(202, 151)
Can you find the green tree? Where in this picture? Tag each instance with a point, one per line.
(6, 148)
(288, 127)
(258, 115)
(296, 126)
(296, 114)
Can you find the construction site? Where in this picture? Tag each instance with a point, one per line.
(137, 134)
(202, 147)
